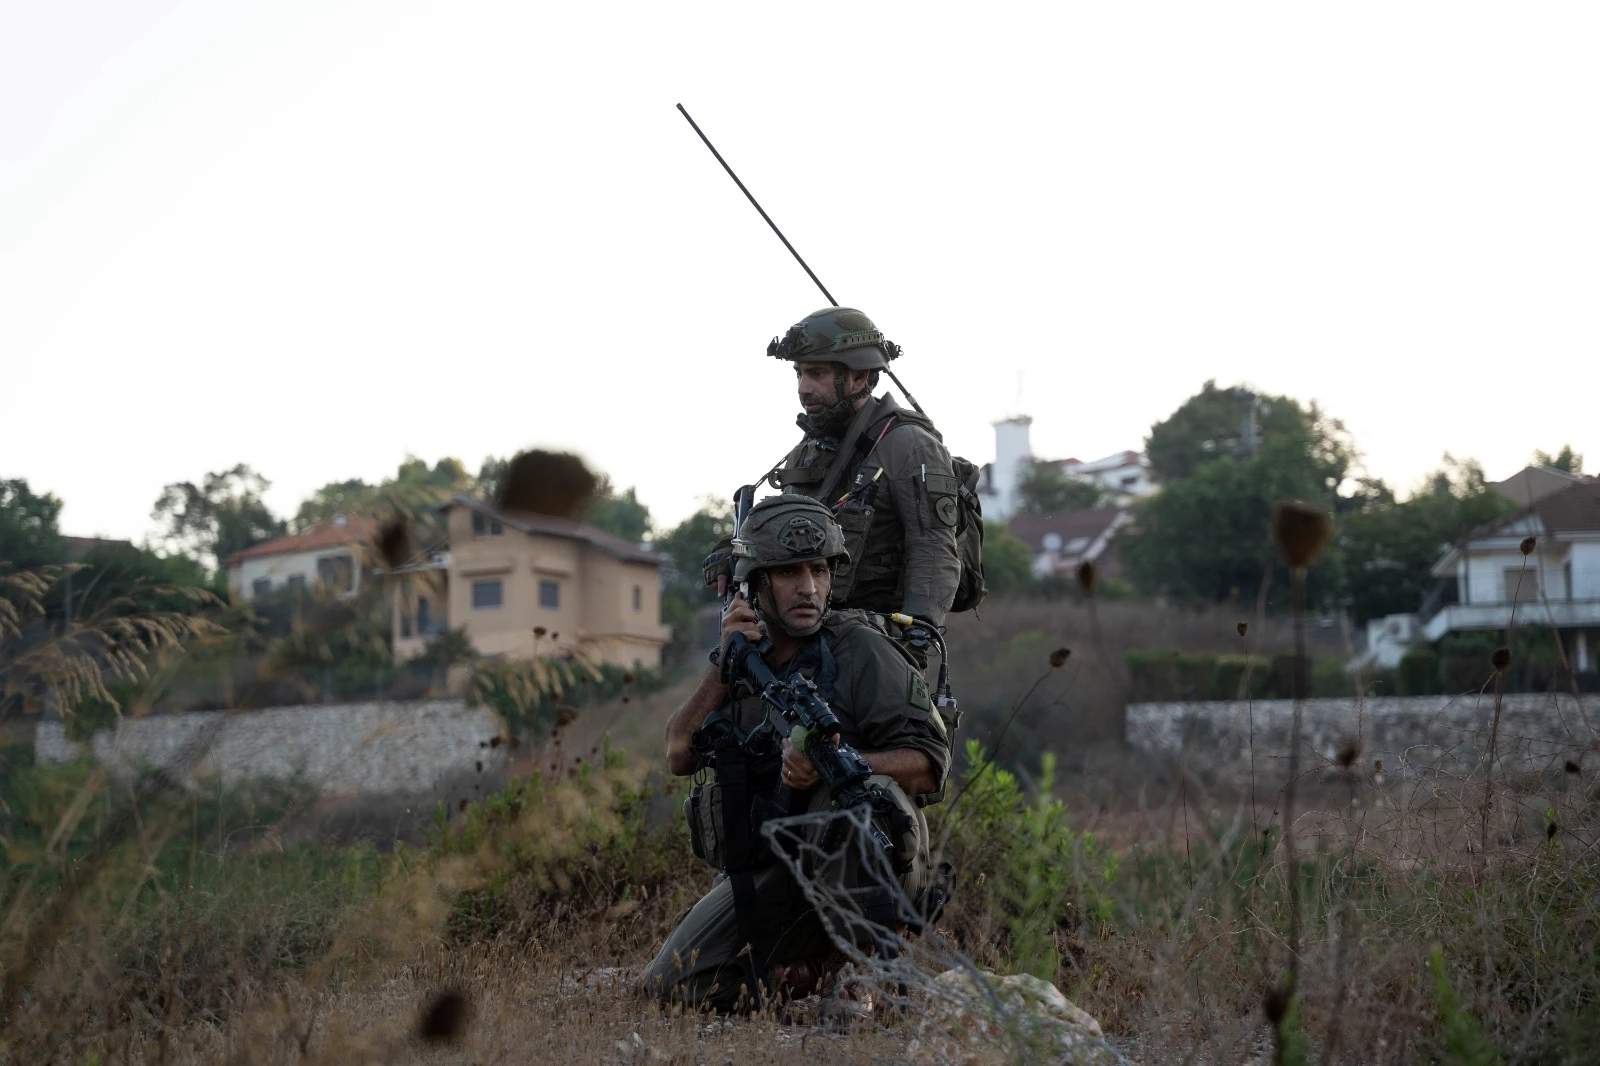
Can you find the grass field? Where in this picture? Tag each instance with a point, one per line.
(1421, 919)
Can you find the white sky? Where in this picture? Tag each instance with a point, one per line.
(316, 236)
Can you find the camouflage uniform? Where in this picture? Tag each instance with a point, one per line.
(900, 529)
(882, 703)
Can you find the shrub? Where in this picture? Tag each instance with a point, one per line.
(1419, 672)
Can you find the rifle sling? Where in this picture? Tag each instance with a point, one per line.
(845, 459)
(734, 777)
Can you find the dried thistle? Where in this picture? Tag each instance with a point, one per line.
(566, 714)
(1377, 766)
(1087, 575)
(1528, 544)
(392, 546)
(539, 631)
(445, 1018)
(1551, 830)
(627, 677)
(1571, 767)
(1244, 627)
(1301, 531)
(548, 483)
(1500, 658)
(1349, 753)
(1275, 1004)
(1058, 658)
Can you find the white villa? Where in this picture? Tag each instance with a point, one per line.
(1126, 474)
(1556, 585)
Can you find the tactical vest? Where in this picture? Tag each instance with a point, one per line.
(874, 535)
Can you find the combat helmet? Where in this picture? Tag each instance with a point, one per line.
(836, 335)
(783, 529)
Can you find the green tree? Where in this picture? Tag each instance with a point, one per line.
(1236, 424)
(350, 497)
(1566, 459)
(619, 513)
(1007, 562)
(687, 544)
(221, 515)
(1204, 538)
(1389, 547)
(1046, 490)
(29, 533)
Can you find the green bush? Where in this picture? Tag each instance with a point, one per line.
(1464, 661)
(1164, 675)
(1419, 672)
(1229, 680)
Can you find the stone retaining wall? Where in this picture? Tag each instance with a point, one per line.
(1411, 735)
(357, 748)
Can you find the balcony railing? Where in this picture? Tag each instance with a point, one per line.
(1562, 614)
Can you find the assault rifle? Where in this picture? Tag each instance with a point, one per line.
(843, 769)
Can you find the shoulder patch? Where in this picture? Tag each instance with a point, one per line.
(945, 508)
(917, 694)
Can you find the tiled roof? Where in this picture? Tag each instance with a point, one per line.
(570, 529)
(356, 530)
(1572, 510)
(1068, 525)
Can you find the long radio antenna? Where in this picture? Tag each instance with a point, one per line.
(812, 274)
(758, 207)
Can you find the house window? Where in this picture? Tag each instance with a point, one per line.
(297, 583)
(423, 619)
(486, 594)
(405, 623)
(1566, 573)
(337, 572)
(638, 599)
(495, 528)
(1522, 585)
(478, 523)
(550, 595)
(261, 586)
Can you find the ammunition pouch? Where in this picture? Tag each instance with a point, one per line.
(703, 811)
(856, 524)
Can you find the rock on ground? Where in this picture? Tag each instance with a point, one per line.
(969, 1024)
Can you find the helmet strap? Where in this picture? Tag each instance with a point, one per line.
(833, 419)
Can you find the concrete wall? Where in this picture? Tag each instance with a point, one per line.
(360, 748)
(1412, 735)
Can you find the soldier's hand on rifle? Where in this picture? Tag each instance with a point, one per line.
(799, 773)
(739, 617)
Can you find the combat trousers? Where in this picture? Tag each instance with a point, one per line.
(700, 965)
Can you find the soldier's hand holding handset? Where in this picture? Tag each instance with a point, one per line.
(739, 617)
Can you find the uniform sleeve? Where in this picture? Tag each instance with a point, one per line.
(922, 488)
(890, 703)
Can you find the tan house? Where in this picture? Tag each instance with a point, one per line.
(523, 584)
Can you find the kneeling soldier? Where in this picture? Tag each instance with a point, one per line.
(754, 937)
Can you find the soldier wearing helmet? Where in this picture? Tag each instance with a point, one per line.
(786, 554)
(881, 469)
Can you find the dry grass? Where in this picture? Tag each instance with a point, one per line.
(1160, 908)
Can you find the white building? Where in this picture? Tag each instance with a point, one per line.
(1125, 474)
(327, 554)
(1557, 585)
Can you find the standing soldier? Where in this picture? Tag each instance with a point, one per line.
(882, 470)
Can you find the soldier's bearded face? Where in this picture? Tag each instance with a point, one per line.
(799, 595)
(817, 388)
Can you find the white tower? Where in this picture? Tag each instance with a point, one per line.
(1012, 454)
